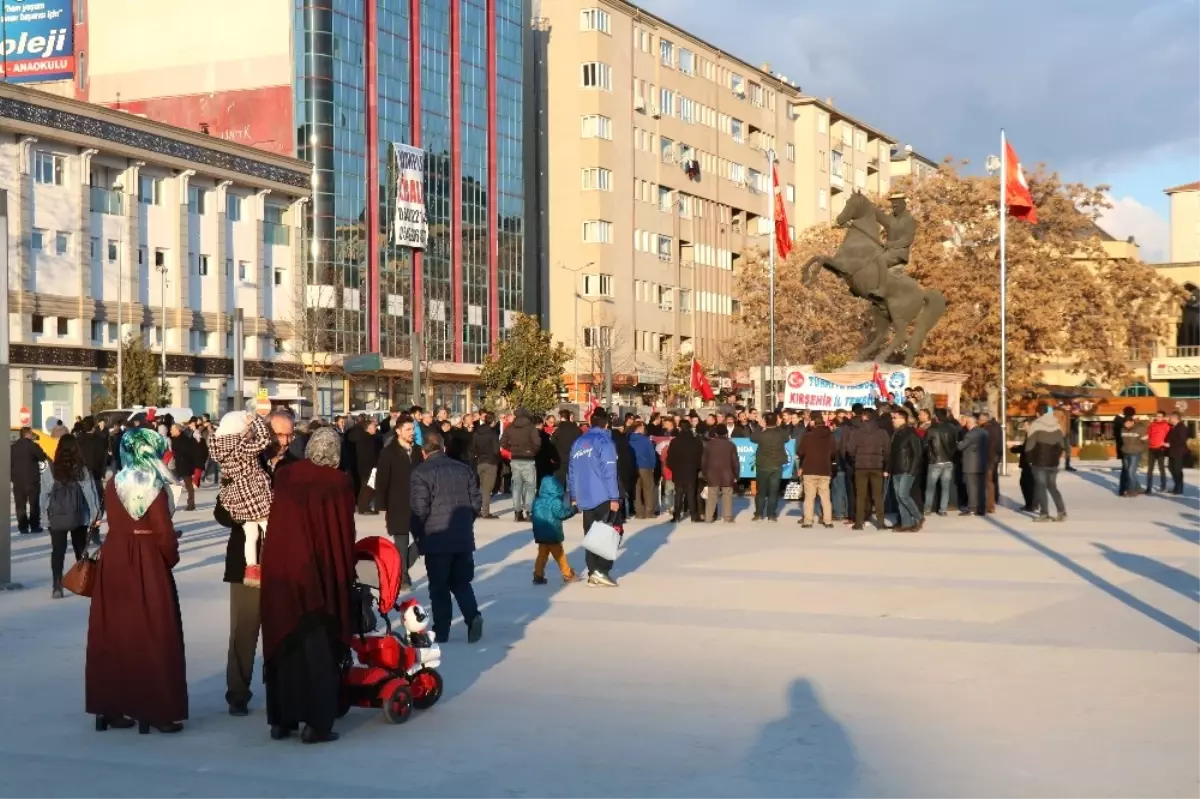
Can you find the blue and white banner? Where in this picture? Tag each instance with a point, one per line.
(39, 41)
(747, 450)
(806, 389)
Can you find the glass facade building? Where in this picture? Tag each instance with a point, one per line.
(445, 76)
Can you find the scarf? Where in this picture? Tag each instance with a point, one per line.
(143, 473)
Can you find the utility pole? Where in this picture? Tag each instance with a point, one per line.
(162, 270)
(6, 583)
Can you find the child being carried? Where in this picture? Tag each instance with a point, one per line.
(245, 485)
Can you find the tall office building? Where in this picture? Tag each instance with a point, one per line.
(338, 83)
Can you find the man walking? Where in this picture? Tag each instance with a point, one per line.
(393, 492)
(645, 458)
(1177, 450)
(868, 448)
(941, 442)
(485, 449)
(593, 487)
(974, 448)
(904, 466)
(817, 458)
(1156, 441)
(684, 458)
(523, 440)
(1044, 447)
(445, 502)
(720, 466)
(25, 463)
(769, 461)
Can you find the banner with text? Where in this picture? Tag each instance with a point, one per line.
(806, 389)
(411, 226)
(747, 450)
(38, 41)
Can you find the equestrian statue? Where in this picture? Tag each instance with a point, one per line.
(874, 271)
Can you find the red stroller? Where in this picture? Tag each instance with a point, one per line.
(395, 671)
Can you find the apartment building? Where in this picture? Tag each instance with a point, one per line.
(119, 226)
(659, 185)
(1185, 222)
(907, 162)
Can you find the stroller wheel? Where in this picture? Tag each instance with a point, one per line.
(398, 705)
(426, 688)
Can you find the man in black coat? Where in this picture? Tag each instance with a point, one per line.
(1177, 451)
(393, 485)
(445, 502)
(904, 466)
(684, 458)
(485, 453)
(186, 454)
(564, 437)
(995, 456)
(626, 467)
(362, 439)
(25, 462)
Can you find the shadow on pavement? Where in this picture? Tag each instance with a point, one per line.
(1146, 609)
(1169, 576)
(805, 753)
(1189, 534)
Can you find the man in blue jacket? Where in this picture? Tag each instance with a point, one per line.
(645, 458)
(594, 488)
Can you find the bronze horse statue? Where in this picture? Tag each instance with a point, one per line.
(897, 303)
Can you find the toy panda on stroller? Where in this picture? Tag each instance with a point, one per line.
(397, 670)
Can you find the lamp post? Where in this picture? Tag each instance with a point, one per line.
(995, 164)
(606, 362)
(118, 190)
(162, 271)
(575, 324)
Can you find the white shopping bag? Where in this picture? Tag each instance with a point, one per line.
(371, 480)
(602, 540)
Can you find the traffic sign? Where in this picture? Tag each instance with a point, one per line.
(262, 405)
(24, 416)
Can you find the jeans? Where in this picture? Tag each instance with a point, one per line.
(1129, 472)
(524, 485)
(838, 496)
(941, 475)
(451, 574)
(910, 514)
(1159, 456)
(766, 499)
(668, 495)
(1045, 479)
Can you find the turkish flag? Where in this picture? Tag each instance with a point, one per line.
(700, 381)
(881, 385)
(1017, 196)
(783, 241)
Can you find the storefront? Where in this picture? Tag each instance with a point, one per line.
(1092, 417)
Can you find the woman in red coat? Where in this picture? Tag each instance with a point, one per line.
(135, 663)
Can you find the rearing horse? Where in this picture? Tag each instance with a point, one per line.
(896, 304)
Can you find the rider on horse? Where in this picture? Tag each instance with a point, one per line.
(901, 229)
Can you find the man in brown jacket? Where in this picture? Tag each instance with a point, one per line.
(721, 469)
(817, 457)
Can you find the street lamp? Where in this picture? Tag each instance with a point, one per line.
(118, 189)
(162, 271)
(606, 364)
(575, 324)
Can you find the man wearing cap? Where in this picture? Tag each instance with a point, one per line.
(901, 230)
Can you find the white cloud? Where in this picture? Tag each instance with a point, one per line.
(1128, 217)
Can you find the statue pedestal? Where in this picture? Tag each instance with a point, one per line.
(944, 387)
(853, 383)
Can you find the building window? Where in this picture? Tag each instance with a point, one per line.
(141, 255)
(597, 76)
(279, 278)
(597, 231)
(97, 331)
(738, 84)
(737, 130)
(791, 152)
(197, 200)
(687, 109)
(150, 190)
(597, 336)
(243, 270)
(791, 193)
(160, 258)
(822, 199)
(475, 315)
(597, 127)
(113, 333)
(860, 140)
(62, 242)
(202, 339)
(228, 267)
(1138, 389)
(36, 240)
(666, 102)
(666, 148)
(664, 198)
(37, 324)
(437, 310)
(597, 285)
(822, 123)
(233, 207)
(64, 326)
(202, 265)
(48, 168)
(736, 173)
(821, 162)
(664, 248)
(756, 94)
(597, 179)
(687, 62)
(860, 177)
(595, 19)
(666, 52)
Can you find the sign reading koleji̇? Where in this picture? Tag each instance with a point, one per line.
(410, 225)
(38, 41)
(806, 389)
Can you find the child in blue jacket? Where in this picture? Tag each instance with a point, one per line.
(550, 509)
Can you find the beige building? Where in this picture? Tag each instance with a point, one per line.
(908, 162)
(1185, 222)
(659, 184)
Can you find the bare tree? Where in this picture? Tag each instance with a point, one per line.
(308, 344)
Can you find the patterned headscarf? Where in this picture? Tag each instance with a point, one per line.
(324, 448)
(143, 473)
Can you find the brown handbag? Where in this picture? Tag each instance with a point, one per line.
(80, 579)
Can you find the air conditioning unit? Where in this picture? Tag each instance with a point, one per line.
(639, 104)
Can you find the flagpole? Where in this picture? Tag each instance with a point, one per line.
(1003, 305)
(771, 268)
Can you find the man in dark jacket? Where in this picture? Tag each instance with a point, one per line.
(626, 467)
(941, 444)
(185, 461)
(684, 458)
(905, 464)
(445, 502)
(769, 461)
(816, 458)
(868, 449)
(975, 449)
(361, 443)
(25, 464)
(485, 451)
(720, 465)
(393, 482)
(1118, 425)
(995, 456)
(1044, 447)
(565, 434)
(1177, 451)
(523, 441)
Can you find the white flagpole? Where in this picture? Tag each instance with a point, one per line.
(771, 265)
(1003, 305)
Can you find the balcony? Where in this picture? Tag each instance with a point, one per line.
(274, 233)
(106, 201)
(837, 182)
(873, 163)
(1183, 352)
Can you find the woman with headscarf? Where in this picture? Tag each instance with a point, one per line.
(135, 663)
(307, 572)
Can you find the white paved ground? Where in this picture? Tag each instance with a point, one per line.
(978, 658)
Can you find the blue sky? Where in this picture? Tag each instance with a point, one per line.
(1103, 91)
